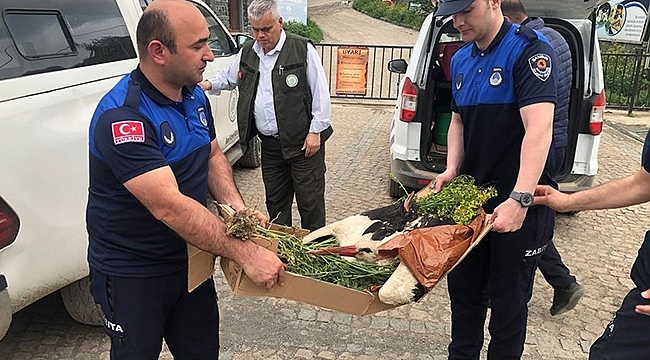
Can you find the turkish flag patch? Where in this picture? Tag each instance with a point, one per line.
(127, 131)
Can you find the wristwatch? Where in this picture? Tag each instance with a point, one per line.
(524, 198)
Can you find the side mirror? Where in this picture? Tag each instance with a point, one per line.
(397, 66)
(241, 39)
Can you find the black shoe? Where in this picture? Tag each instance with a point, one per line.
(567, 299)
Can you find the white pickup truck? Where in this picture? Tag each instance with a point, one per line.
(59, 58)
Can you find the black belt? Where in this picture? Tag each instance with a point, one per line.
(275, 136)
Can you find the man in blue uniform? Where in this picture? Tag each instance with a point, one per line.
(504, 91)
(566, 290)
(153, 159)
(627, 336)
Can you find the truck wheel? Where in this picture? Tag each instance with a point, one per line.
(80, 304)
(253, 156)
(5, 313)
(394, 189)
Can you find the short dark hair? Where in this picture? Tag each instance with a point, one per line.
(514, 9)
(154, 25)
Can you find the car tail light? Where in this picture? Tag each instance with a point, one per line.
(597, 114)
(409, 101)
(9, 224)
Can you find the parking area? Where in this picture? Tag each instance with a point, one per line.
(599, 247)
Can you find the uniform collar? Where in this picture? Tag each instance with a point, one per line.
(152, 92)
(278, 47)
(505, 27)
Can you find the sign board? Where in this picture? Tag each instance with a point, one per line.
(351, 70)
(622, 21)
(295, 10)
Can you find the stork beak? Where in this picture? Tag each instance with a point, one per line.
(342, 251)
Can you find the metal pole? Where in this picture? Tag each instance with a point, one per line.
(638, 55)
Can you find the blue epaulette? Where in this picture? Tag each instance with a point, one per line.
(529, 33)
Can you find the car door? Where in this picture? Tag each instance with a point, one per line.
(562, 9)
(224, 106)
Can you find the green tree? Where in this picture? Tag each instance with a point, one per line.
(311, 30)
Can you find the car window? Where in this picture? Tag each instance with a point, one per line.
(218, 40)
(28, 38)
(34, 39)
(145, 3)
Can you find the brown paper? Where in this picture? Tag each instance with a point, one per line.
(431, 252)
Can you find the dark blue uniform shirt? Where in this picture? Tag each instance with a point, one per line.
(489, 87)
(136, 129)
(641, 269)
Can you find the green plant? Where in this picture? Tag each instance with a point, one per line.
(329, 268)
(406, 13)
(459, 200)
(619, 71)
(310, 30)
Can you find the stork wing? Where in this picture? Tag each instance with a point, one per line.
(347, 231)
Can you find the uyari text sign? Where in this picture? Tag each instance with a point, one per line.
(351, 70)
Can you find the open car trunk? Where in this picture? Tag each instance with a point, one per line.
(434, 82)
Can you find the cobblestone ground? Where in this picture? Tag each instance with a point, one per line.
(598, 246)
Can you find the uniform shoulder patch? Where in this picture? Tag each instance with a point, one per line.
(540, 65)
(127, 131)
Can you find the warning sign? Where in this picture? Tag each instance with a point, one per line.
(351, 70)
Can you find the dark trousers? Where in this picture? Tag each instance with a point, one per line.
(300, 176)
(627, 336)
(140, 312)
(501, 267)
(550, 264)
(554, 270)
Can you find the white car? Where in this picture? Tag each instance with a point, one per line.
(60, 57)
(418, 132)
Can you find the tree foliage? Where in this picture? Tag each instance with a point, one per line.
(311, 31)
(398, 13)
(619, 69)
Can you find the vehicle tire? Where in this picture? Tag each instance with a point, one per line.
(253, 156)
(80, 303)
(395, 189)
(5, 313)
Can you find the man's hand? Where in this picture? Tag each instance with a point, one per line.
(644, 309)
(442, 180)
(546, 195)
(508, 216)
(264, 268)
(205, 85)
(263, 219)
(312, 144)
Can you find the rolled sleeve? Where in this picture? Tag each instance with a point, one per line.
(321, 106)
(225, 79)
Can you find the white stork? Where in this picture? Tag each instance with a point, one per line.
(359, 237)
(401, 287)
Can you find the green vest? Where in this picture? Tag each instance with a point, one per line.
(292, 96)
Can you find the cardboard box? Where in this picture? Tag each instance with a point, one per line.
(297, 287)
(200, 265)
(311, 291)
(303, 289)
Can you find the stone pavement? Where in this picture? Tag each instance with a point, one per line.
(635, 126)
(598, 246)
